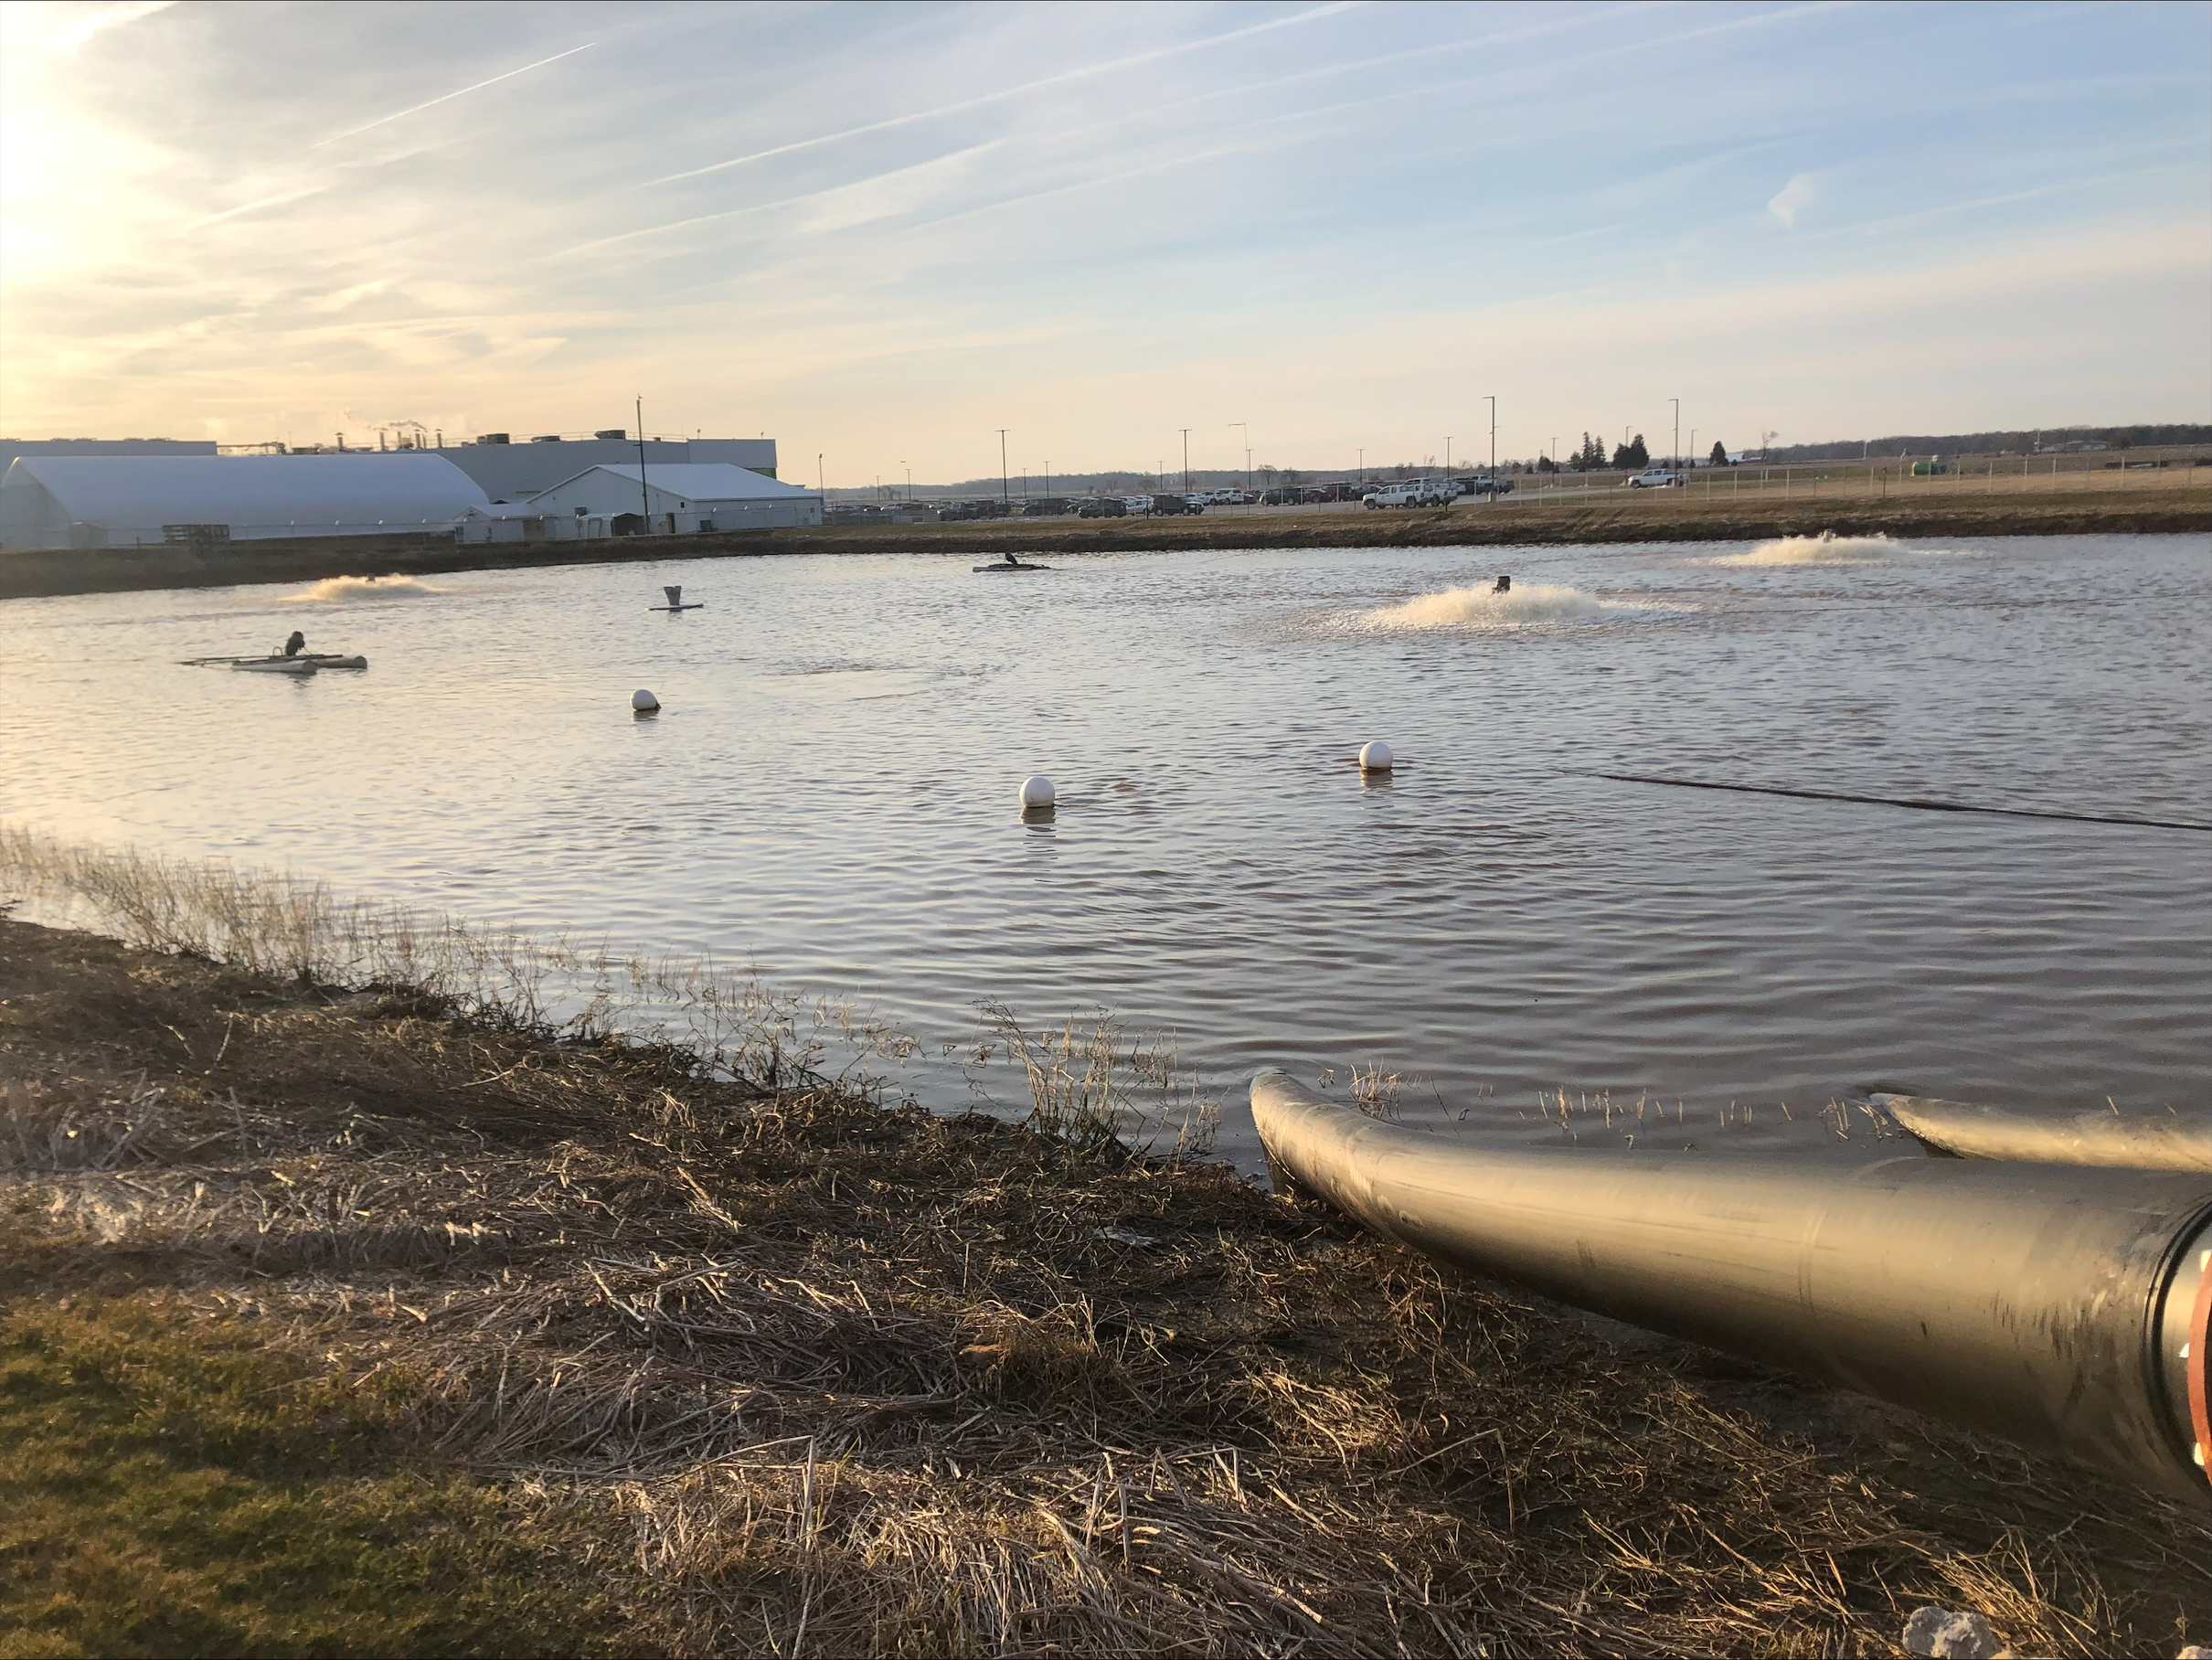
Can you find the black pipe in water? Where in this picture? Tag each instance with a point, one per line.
(2064, 1309)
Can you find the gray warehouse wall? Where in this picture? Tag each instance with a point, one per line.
(512, 472)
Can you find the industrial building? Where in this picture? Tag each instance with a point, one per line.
(124, 493)
(511, 471)
(680, 499)
(11, 448)
(123, 501)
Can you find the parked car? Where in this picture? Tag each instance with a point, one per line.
(1103, 506)
(1411, 493)
(1486, 486)
(1655, 478)
(1044, 506)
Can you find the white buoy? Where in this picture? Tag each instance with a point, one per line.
(1376, 757)
(1037, 790)
(643, 701)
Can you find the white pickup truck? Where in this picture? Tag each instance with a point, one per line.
(1411, 493)
(1656, 478)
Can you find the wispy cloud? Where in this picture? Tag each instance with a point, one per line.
(1122, 176)
(84, 21)
(1089, 71)
(1909, 221)
(1793, 198)
(447, 97)
(885, 193)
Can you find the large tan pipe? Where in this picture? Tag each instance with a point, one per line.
(2061, 1308)
(1965, 1131)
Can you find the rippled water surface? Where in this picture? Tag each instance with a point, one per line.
(830, 791)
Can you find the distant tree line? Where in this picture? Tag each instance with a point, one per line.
(1591, 458)
(2019, 442)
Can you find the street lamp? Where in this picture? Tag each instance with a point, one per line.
(1185, 431)
(1675, 463)
(1493, 443)
(1006, 496)
(1363, 466)
(1447, 458)
(1248, 453)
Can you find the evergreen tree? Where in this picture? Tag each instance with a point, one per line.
(1719, 458)
(1633, 457)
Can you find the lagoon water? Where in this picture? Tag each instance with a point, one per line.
(830, 792)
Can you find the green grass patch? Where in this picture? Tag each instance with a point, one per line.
(170, 1487)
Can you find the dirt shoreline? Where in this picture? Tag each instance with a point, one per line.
(646, 1361)
(1670, 518)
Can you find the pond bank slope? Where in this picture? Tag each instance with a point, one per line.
(332, 1320)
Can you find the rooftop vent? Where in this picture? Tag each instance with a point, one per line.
(491, 438)
(612, 433)
(547, 438)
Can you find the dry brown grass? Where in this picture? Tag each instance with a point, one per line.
(727, 1021)
(826, 1376)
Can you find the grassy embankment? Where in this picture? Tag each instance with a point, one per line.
(1738, 506)
(350, 1306)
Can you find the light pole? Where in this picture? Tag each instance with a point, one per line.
(1494, 442)
(910, 471)
(1693, 454)
(645, 501)
(821, 489)
(1447, 458)
(1006, 496)
(1246, 426)
(1674, 465)
(1185, 431)
(1363, 465)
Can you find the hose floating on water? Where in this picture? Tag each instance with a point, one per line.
(1903, 801)
(1961, 1130)
(2049, 1305)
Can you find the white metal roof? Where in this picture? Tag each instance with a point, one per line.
(699, 481)
(146, 492)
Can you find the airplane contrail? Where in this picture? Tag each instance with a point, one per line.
(267, 201)
(447, 97)
(1308, 15)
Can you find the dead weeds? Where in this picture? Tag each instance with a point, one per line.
(846, 1378)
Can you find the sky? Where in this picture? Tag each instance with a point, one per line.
(880, 233)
